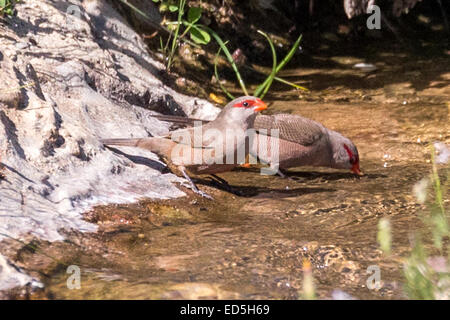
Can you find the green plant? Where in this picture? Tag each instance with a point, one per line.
(384, 235)
(422, 280)
(308, 291)
(426, 277)
(418, 274)
(7, 7)
(197, 35)
(263, 88)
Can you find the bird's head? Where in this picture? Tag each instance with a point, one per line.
(242, 109)
(345, 153)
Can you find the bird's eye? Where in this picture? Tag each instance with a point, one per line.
(352, 160)
(245, 104)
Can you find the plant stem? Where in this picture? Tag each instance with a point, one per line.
(175, 36)
(286, 59)
(269, 80)
(216, 73)
(229, 58)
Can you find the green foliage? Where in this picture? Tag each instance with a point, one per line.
(167, 5)
(438, 219)
(267, 83)
(384, 235)
(309, 290)
(189, 21)
(263, 88)
(216, 73)
(230, 59)
(423, 281)
(418, 274)
(6, 7)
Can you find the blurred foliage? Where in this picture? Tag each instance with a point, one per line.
(7, 7)
(308, 290)
(196, 33)
(263, 88)
(384, 236)
(429, 278)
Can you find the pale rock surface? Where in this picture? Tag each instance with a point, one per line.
(65, 83)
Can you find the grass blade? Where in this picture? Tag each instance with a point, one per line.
(216, 73)
(229, 57)
(283, 62)
(268, 82)
(175, 36)
(291, 84)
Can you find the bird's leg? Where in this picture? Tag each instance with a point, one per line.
(281, 174)
(278, 172)
(193, 186)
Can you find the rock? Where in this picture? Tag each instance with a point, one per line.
(10, 92)
(12, 276)
(91, 80)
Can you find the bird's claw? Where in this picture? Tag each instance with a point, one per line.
(204, 195)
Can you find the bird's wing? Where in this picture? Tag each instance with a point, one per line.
(186, 137)
(291, 128)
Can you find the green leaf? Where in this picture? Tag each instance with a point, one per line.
(286, 59)
(216, 73)
(262, 89)
(296, 86)
(384, 235)
(194, 14)
(173, 8)
(229, 58)
(155, 1)
(199, 36)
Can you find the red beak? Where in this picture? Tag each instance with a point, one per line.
(355, 169)
(259, 105)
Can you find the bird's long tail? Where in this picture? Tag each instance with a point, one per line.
(158, 145)
(177, 119)
(120, 142)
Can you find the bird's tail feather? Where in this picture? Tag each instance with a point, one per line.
(160, 146)
(120, 142)
(176, 119)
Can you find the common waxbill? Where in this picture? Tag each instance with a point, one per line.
(301, 141)
(192, 151)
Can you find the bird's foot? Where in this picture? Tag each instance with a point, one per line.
(284, 176)
(281, 174)
(194, 187)
(203, 194)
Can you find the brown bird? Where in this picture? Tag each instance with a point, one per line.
(206, 149)
(301, 141)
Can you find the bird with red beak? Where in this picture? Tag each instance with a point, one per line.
(237, 116)
(301, 142)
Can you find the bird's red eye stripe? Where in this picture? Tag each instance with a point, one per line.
(244, 104)
(350, 153)
(351, 156)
